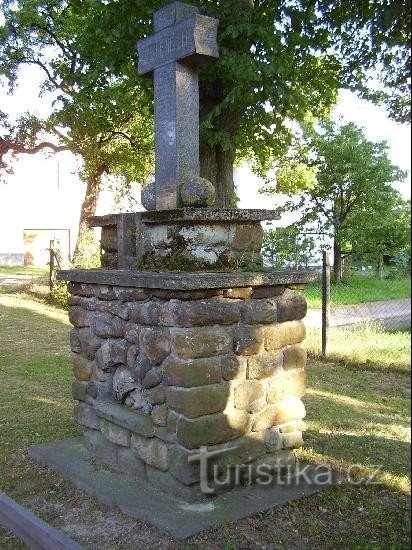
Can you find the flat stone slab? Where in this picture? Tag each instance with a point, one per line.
(71, 459)
(187, 281)
(209, 215)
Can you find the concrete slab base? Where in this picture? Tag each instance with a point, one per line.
(73, 461)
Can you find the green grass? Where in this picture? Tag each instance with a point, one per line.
(367, 345)
(358, 288)
(21, 270)
(357, 418)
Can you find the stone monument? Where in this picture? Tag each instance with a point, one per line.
(182, 344)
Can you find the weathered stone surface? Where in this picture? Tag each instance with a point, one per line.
(264, 365)
(268, 291)
(100, 375)
(272, 415)
(152, 378)
(132, 333)
(273, 439)
(294, 357)
(79, 317)
(186, 294)
(83, 340)
(277, 462)
(108, 238)
(107, 326)
(141, 366)
(291, 306)
(130, 294)
(93, 389)
(250, 396)
(298, 426)
(194, 402)
(151, 451)
(101, 447)
(283, 334)
(79, 390)
(172, 418)
(159, 415)
(79, 289)
(238, 293)
(233, 366)
(130, 464)
(248, 340)
(216, 311)
(292, 440)
(192, 372)
(259, 311)
(211, 429)
(198, 193)
(248, 237)
(157, 395)
(82, 368)
(155, 343)
(291, 384)
(86, 416)
(192, 343)
(111, 354)
(114, 308)
(103, 292)
(114, 433)
(134, 421)
(145, 313)
(131, 355)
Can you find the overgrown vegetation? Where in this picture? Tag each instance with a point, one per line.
(358, 421)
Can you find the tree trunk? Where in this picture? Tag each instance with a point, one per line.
(89, 204)
(380, 267)
(216, 165)
(337, 261)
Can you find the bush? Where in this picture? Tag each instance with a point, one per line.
(59, 296)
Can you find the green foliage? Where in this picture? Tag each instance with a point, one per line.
(286, 247)
(59, 296)
(88, 251)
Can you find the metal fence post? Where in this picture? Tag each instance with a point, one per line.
(325, 300)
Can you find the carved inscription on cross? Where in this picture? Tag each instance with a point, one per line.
(183, 40)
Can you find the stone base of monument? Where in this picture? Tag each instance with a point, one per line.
(137, 496)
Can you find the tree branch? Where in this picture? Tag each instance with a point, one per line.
(7, 146)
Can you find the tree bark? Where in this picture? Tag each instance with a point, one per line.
(216, 165)
(337, 261)
(89, 204)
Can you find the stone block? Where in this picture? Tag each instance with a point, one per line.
(132, 333)
(211, 429)
(275, 463)
(282, 413)
(145, 313)
(250, 396)
(131, 355)
(131, 420)
(152, 378)
(79, 317)
(248, 340)
(284, 386)
(292, 440)
(190, 373)
(86, 416)
(166, 483)
(294, 357)
(106, 325)
(216, 311)
(111, 354)
(233, 367)
(141, 366)
(152, 451)
(192, 343)
(79, 289)
(108, 239)
(291, 306)
(155, 343)
(260, 292)
(160, 414)
(124, 294)
(195, 402)
(157, 395)
(101, 447)
(114, 433)
(273, 439)
(283, 334)
(103, 292)
(248, 237)
(172, 418)
(84, 340)
(130, 464)
(82, 367)
(79, 390)
(259, 311)
(241, 293)
(114, 308)
(75, 344)
(264, 365)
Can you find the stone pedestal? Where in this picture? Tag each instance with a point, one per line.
(166, 364)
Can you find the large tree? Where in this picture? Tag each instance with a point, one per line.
(344, 186)
(279, 61)
(97, 121)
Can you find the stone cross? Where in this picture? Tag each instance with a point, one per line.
(183, 40)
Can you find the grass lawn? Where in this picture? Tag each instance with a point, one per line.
(21, 270)
(358, 417)
(358, 289)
